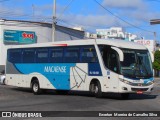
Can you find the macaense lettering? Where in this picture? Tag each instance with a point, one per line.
(55, 69)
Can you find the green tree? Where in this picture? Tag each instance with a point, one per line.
(156, 63)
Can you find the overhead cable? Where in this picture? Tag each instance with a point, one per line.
(121, 18)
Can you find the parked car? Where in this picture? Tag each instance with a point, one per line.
(2, 79)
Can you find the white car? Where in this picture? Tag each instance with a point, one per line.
(2, 79)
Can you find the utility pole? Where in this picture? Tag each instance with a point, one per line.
(33, 9)
(54, 21)
(154, 22)
(154, 35)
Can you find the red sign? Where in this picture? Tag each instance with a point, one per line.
(144, 42)
(25, 35)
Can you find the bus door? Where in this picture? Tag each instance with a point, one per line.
(111, 58)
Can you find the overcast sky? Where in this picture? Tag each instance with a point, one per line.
(89, 14)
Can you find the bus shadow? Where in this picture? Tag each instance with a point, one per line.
(22, 90)
(70, 93)
(131, 96)
(115, 96)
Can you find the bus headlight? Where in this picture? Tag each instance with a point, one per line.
(150, 83)
(126, 81)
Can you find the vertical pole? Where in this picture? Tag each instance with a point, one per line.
(154, 35)
(156, 42)
(33, 11)
(54, 21)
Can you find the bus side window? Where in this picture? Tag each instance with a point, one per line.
(89, 55)
(56, 55)
(15, 55)
(71, 55)
(42, 55)
(29, 55)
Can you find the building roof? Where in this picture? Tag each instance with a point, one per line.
(40, 23)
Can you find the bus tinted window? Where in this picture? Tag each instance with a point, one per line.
(71, 54)
(89, 54)
(15, 56)
(28, 55)
(56, 55)
(42, 55)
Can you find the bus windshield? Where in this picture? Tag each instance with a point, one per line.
(136, 64)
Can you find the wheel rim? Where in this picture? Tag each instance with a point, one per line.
(35, 87)
(96, 89)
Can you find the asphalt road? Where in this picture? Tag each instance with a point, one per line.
(16, 99)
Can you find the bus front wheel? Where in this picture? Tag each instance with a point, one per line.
(98, 92)
(35, 87)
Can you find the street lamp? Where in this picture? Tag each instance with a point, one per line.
(154, 21)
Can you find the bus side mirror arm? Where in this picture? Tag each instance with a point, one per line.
(119, 51)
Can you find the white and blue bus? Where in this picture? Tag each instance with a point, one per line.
(98, 66)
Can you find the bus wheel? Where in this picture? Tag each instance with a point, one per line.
(35, 87)
(97, 90)
(124, 96)
(4, 81)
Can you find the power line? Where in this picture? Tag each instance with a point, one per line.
(121, 18)
(66, 8)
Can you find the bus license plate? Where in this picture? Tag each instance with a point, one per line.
(139, 92)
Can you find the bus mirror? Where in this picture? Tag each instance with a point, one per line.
(119, 51)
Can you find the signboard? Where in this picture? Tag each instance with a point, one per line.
(150, 44)
(19, 37)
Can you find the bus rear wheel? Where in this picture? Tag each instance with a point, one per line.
(35, 87)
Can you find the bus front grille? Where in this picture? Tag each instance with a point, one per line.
(139, 89)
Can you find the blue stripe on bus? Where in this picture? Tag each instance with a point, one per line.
(57, 74)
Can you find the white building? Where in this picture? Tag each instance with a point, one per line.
(130, 36)
(15, 32)
(79, 28)
(113, 32)
(90, 35)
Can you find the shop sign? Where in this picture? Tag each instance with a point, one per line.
(19, 37)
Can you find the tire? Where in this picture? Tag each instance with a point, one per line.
(35, 87)
(124, 96)
(97, 91)
(4, 82)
